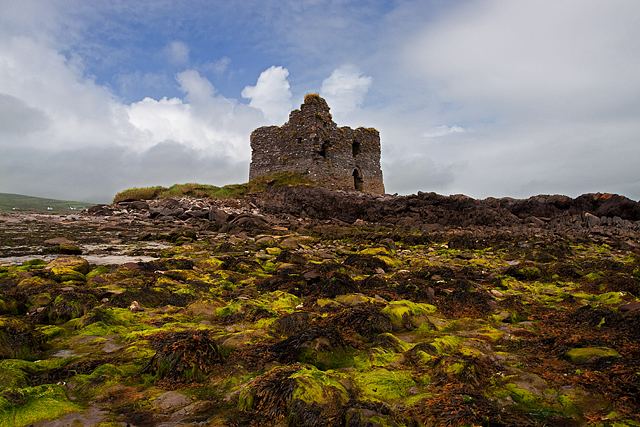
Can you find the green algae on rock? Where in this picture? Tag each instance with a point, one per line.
(29, 405)
(353, 322)
(385, 385)
(585, 355)
(64, 265)
(406, 313)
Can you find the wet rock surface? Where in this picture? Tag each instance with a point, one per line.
(303, 306)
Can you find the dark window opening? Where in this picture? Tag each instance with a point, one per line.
(355, 148)
(358, 182)
(323, 149)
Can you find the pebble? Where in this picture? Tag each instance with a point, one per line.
(135, 306)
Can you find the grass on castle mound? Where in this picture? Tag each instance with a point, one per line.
(230, 191)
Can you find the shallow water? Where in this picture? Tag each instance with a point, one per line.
(92, 259)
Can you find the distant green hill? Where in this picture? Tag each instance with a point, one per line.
(9, 202)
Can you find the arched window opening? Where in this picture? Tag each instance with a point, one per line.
(323, 149)
(358, 182)
(355, 148)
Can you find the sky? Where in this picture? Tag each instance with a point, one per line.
(479, 97)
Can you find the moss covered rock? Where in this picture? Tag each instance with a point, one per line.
(384, 385)
(586, 355)
(66, 269)
(406, 314)
(29, 405)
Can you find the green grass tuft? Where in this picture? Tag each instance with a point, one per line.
(203, 191)
(277, 180)
(144, 193)
(181, 190)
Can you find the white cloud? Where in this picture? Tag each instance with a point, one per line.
(177, 52)
(80, 112)
(550, 90)
(60, 119)
(564, 59)
(345, 89)
(432, 175)
(204, 120)
(214, 125)
(217, 67)
(137, 85)
(97, 173)
(271, 94)
(197, 88)
(19, 118)
(443, 130)
(37, 19)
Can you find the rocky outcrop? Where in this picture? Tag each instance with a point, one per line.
(302, 206)
(598, 204)
(589, 210)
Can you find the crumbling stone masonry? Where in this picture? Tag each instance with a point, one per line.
(310, 143)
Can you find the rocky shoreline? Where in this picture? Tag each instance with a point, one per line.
(302, 306)
(598, 213)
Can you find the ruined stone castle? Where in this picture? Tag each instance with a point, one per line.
(311, 144)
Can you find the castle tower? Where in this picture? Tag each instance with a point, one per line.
(311, 144)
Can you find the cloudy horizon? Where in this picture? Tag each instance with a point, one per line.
(479, 97)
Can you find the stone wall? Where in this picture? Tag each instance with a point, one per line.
(310, 143)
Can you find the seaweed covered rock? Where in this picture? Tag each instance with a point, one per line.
(293, 323)
(66, 306)
(269, 395)
(367, 414)
(19, 340)
(365, 262)
(62, 245)
(299, 395)
(367, 319)
(323, 345)
(184, 356)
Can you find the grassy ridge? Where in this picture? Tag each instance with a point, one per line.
(230, 191)
(179, 190)
(38, 204)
